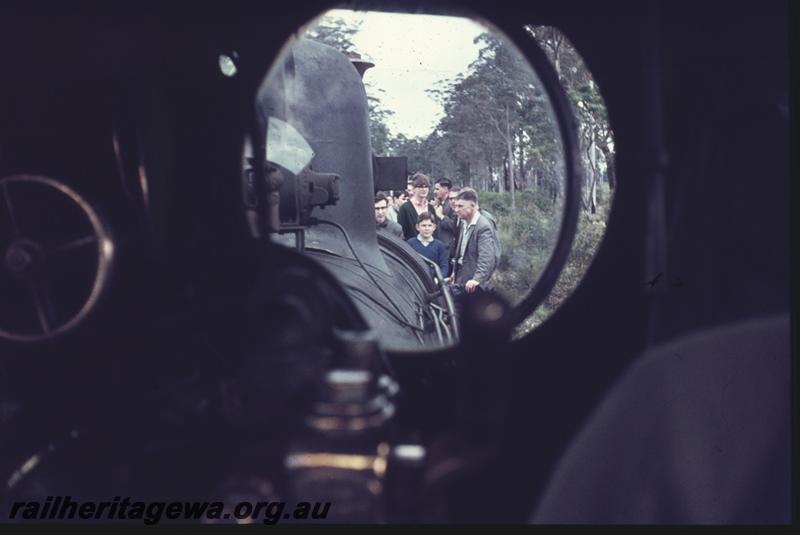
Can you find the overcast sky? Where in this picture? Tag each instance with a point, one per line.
(411, 53)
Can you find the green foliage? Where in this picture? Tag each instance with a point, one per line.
(380, 136)
(528, 236)
(587, 239)
(334, 32)
(591, 229)
(595, 135)
(497, 203)
(496, 124)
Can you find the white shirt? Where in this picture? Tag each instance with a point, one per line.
(423, 241)
(466, 231)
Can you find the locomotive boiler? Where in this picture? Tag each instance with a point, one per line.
(320, 177)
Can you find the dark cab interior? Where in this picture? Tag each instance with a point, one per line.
(190, 371)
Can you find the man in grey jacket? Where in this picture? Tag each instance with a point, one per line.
(476, 255)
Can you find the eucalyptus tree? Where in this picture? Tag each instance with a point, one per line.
(596, 134)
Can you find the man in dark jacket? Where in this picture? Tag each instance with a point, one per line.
(447, 225)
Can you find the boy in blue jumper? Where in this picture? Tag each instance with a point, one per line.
(425, 244)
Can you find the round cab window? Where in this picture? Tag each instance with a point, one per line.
(419, 159)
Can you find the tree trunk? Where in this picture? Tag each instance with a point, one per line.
(556, 55)
(587, 179)
(510, 163)
(502, 182)
(558, 181)
(464, 171)
(521, 158)
(610, 167)
(593, 165)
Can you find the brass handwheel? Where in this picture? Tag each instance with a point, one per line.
(56, 258)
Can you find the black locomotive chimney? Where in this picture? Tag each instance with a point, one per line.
(315, 92)
(360, 64)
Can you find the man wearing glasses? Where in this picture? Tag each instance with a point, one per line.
(383, 223)
(451, 200)
(409, 213)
